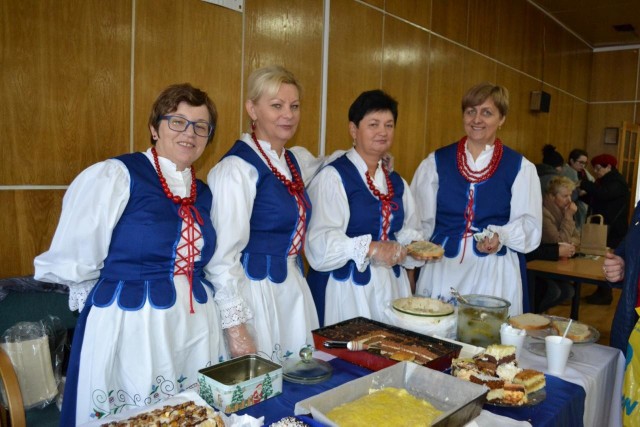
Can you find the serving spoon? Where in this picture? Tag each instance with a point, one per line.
(457, 295)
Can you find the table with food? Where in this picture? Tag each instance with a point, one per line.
(362, 372)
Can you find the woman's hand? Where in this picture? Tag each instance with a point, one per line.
(239, 341)
(566, 250)
(386, 253)
(570, 210)
(489, 245)
(613, 268)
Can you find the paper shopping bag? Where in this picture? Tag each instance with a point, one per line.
(594, 236)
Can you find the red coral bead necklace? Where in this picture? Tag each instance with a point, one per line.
(165, 187)
(295, 186)
(484, 173)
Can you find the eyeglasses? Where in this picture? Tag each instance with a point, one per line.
(581, 162)
(180, 124)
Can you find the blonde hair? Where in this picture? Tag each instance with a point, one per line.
(558, 182)
(267, 81)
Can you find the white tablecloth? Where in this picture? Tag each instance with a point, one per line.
(599, 370)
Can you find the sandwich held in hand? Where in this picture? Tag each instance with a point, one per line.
(425, 250)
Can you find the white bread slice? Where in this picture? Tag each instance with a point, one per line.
(425, 250)
(577, 332)
(529, 321)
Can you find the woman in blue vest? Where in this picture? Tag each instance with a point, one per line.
(481, 201)
(133, 238)
(364, 214)
(262, 221)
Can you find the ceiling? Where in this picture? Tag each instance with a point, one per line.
(594, 20)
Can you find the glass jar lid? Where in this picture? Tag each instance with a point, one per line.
(306, 369)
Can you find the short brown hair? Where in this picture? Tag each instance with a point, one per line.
(169, 99)
(480, 92)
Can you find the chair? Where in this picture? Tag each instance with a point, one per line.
(13, 394)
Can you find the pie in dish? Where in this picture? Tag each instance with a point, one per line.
(425, 250)
(422, 306)
(185, 414)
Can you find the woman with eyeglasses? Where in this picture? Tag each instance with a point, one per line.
(576, 170)
(132, 242)
(263, 219)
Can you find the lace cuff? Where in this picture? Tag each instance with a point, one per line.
(78, 294)
(234, 312)
(359, 249)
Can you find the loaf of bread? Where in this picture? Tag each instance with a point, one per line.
(529, 321)
(577, 332)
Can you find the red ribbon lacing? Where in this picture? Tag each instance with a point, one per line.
(295, 188)
(475, 177)
(184, 264)
(386, 200)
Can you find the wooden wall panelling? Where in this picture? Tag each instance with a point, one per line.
(445, 90)
(405, 75)
(355, 58)
(579, 65)
(28, 221)
(415, 11)
(532, 46)
(476, 69)
(601, 116)
(188, 41)
(483, 22)
(65, 84)
(522, 131)
(579, 127)
(509, 33)
(449, 19)
(289, 34)
(614, 76)
(561, 123)
(552, 52)
(377, 3)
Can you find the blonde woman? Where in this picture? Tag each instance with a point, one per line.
(261, 220)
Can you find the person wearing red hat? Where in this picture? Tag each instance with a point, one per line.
(609, 196)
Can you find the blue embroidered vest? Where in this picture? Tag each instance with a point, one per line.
(365, 215)
(140, 263)
(273, 220)
(492, 199)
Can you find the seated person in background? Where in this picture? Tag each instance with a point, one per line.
(550, 167)
(558, 227)
(576, 171)
(609, 196)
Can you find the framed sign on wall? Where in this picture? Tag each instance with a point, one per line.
(611, 135)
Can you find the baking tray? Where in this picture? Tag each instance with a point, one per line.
(461, 401)
(350, 330)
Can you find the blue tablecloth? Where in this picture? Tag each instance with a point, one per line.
(564, 405)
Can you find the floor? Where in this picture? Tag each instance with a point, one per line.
(598, 316)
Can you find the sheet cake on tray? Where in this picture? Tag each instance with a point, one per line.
(384, 345)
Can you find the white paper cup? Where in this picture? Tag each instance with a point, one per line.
(516, 340)
(558, 350)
